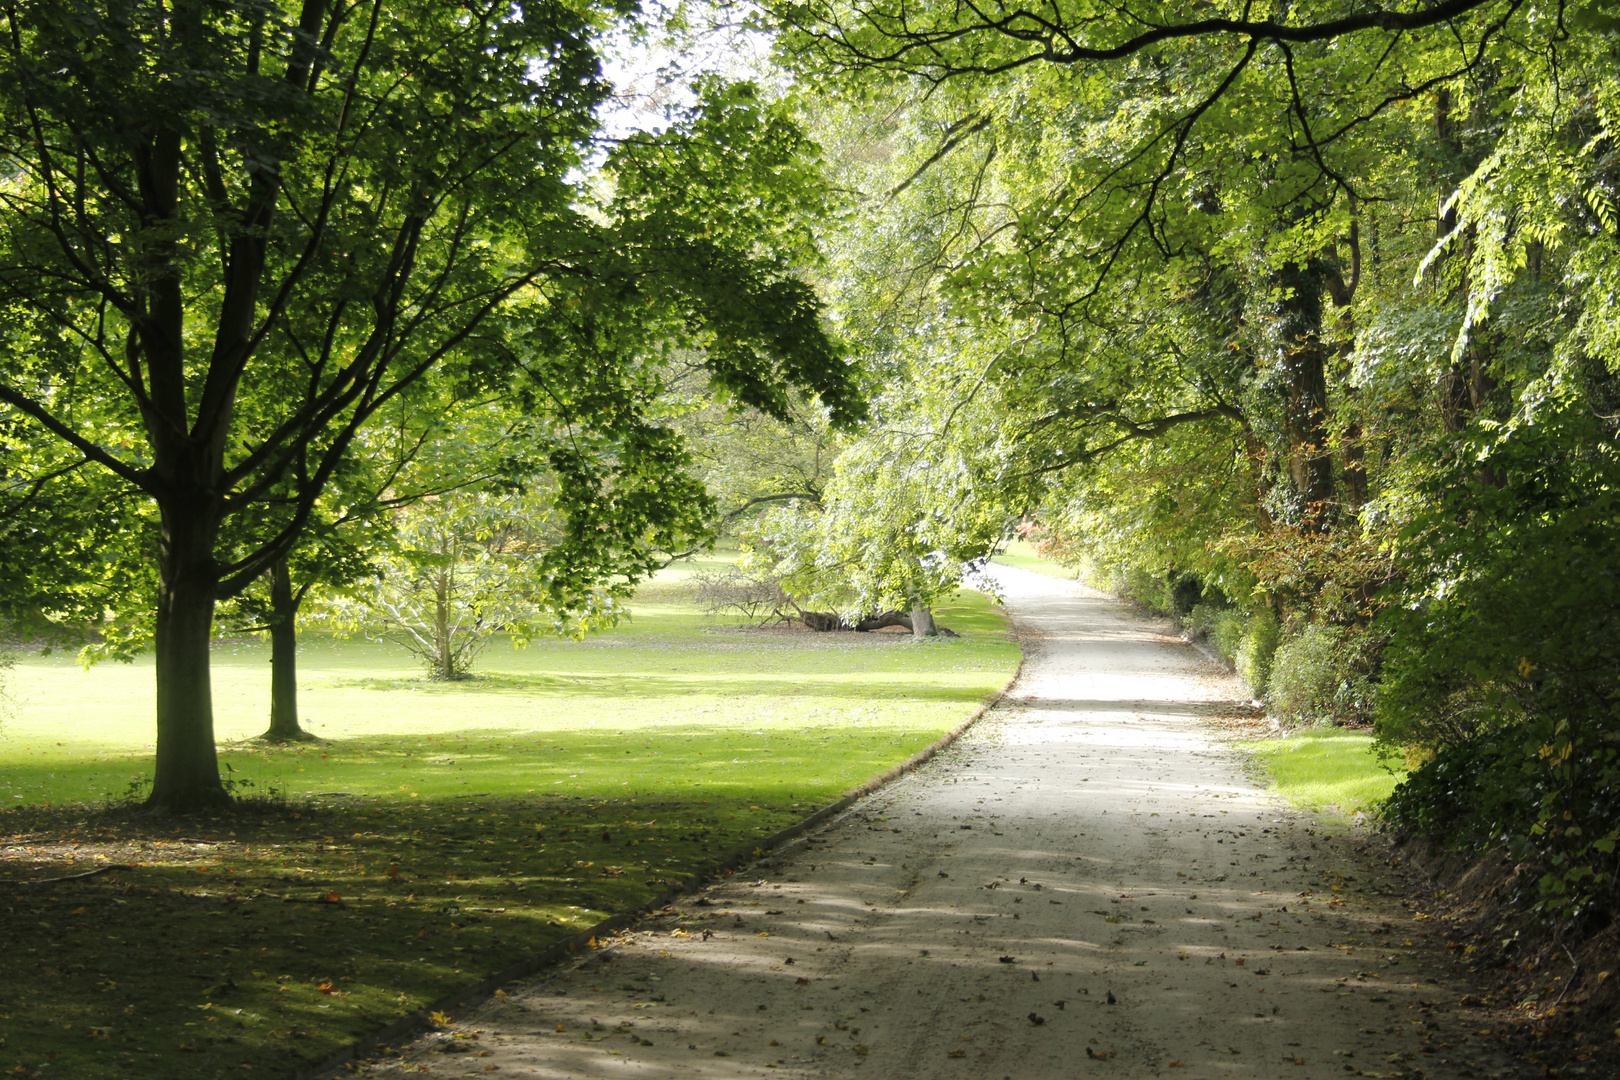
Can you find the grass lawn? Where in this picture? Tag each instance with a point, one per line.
(437, 833)
(1022, 555)
(1327, 769)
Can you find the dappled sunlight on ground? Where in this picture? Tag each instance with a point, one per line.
(1088, 884)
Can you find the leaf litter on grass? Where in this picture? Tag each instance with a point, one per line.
(284, 933)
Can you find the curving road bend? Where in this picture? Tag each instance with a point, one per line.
(1087, 884)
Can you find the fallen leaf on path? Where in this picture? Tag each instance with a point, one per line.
(1099, 1055)
(957, 1054)
(1008, 959)
(1036, 1020)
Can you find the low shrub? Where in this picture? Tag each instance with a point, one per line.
(756, 596)
(1257, 649)
(1324, 674)
(1147, 588)
(1305, 675)
(1528, 789)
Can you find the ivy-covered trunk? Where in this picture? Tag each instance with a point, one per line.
(1304, 364)
(187, 770)
(284, 603)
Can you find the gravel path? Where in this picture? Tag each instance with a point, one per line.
(1089, 883)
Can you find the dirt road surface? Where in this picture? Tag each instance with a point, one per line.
(1090, 883)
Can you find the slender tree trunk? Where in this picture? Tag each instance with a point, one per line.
(284, 603)
(441, 628)
(1254, 454)
(1454, 389)
(1482, 395)
(922, 621)
(187, 773)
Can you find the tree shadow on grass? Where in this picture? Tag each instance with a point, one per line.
(178, 948)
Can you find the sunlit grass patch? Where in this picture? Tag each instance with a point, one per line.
(1327, 769)
(437, 833)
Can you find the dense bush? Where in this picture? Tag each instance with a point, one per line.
(1549, 796)
(1257, 649)
(1305, 675)
(1147, 588)
(1185, 593)
(1220, 624)
(1504, 668)
(1322, 674)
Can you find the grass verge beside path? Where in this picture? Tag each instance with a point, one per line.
(1328, 770)
(439, 833)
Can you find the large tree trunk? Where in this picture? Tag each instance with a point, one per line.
(922, 621)
(284, 658)
(884, 619)
(1342, 289)
(187, 773)
(1304, 362)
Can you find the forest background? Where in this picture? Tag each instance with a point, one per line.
(1297, 321)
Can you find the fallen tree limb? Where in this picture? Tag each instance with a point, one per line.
(75, 877)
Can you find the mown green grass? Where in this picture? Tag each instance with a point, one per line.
(1022, 555)
(1331, 770)
(460, 827)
